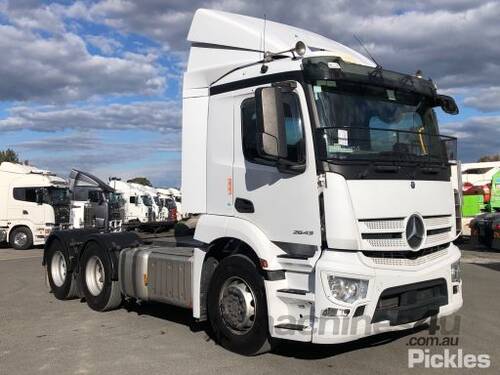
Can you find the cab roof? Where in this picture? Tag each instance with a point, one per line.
(222, 41)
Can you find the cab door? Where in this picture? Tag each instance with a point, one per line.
(284, 206)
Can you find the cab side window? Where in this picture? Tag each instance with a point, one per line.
(293, 124)
(25, 194)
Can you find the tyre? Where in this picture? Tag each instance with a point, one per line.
(237, 307)
(100, 291)
(61, 281)
(21, 238)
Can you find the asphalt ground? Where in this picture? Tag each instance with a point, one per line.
(41, 335)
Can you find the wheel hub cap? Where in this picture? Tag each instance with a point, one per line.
(237, 305)
(58, 268)
(94, 276)
(20, 239)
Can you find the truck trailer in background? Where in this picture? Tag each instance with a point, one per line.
(476, 189)
(33, 203)
(323, 192)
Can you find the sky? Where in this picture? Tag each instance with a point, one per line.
(97, 85)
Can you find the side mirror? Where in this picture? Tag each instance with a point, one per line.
(271, 135)
(448, 104)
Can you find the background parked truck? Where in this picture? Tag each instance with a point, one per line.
(33, 203)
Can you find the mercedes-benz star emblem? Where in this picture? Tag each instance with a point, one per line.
(414, 231)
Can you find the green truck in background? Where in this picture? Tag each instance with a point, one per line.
(485, 227)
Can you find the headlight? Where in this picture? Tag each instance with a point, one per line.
(346, 289)
(455, 272)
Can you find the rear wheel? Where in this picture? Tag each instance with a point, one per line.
(237, 307)
(100, 291)
(60, 279)
(21, 238)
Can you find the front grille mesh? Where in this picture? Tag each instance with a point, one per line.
(407, 258)
(390, 233)
(396, 224)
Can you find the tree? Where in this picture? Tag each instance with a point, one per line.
(9, 155)
(489, 158)
(141, 181)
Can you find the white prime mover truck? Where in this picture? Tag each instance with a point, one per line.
(33, 202)
(138, 205)
(322, 187)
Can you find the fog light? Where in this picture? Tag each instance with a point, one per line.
(346, 289)
(455, 272)
(335, 312)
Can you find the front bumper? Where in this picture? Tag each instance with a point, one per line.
(357, 320)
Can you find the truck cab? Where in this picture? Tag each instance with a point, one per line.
(33, 202)
(94, 203)
(329, 167)
(138, 205)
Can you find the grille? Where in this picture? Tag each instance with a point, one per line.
(435, 238)
(409, 303)
(437, 221)
(390, 232)
(387, 242)
(388, 224)
(407, 258)
(61, 215)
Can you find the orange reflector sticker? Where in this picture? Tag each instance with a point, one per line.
(229, 186)
(145, 279)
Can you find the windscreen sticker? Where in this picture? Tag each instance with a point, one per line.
(336, 148)
(391, 95)
(317, 90)
(343, 137)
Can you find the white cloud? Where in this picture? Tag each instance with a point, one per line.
(477, 136)
(106, 45)
(44, 62)
(162, 116)
(485, 99)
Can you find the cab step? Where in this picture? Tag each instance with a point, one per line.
(290, 326)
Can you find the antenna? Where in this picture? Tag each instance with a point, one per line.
(367, 52)
(264, 37)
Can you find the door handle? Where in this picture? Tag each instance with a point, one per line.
(25, 212)
(244, 206)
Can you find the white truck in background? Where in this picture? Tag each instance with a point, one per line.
(479, 174)
(138, 205)
(33, 202)
(160, 213)
(94, 203)
(171, 197)
(323, 192)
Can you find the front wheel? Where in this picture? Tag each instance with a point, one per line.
(21, 238)
(237, 307)
(100, 291)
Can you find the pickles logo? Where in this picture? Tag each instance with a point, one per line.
(448, 359)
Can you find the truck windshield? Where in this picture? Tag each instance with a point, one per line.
(146, 199)
(116, 199)
(364, 122)
(56, 196)
(157, 201)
